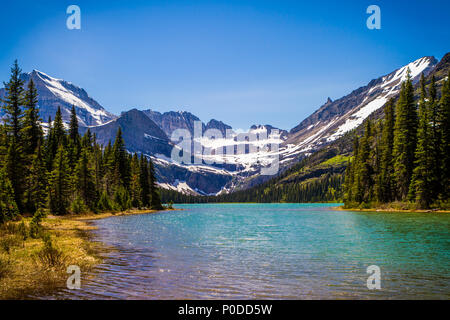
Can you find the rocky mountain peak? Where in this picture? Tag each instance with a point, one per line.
(54, 93)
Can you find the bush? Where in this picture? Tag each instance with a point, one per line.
(78, 206)
(23, 231)
(50, 256)
(9, 242)
(170, 205)
(35, 224)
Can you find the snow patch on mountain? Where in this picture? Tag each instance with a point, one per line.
(58, 88)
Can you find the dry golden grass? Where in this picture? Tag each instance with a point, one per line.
(23, 271)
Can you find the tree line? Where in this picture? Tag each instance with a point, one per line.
(404, 157)
(326, 188)
(61, 171)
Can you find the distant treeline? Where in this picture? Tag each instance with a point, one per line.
(404, 157)
(327, 188)
(62, 172)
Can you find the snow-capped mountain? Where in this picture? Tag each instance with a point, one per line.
(149, 132)
(56, 92)
(333, 119)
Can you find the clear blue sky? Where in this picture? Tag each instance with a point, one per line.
(241, 62)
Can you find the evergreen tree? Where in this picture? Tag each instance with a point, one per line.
(144, 182)
(49, 146)
(85, 181)
(8, 206)
(58, 131)
(155, 202)
(364, 167)
(434, 140)
(36, 182)
(354, 191)
(386, 166)
(74, 144)
(14, 128)
(445, 138)
(405, 137)
(32, 131)
(14, 98)
(121, 161)
(135, 185)
(59, 185)
(421, 184)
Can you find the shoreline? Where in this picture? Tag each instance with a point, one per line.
(24, 273)
(390, 210)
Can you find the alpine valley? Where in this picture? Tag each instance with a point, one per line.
(149, 132)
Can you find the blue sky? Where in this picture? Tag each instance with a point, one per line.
(242, 62)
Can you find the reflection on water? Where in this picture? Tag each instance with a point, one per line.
(269, 251)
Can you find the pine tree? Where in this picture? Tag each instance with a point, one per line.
(364, 168)
(405, 137)
(8, 206)
(32, 131)
(155, 202)
(135, 185)
(445, 139)
(36, 182)
(354, 191)
(59, 133)
(74, 144)
(86, 142)
(59, 185)
(434, 140)
(85, 181)
(421, 183)
(144, 182)
(14, 98)
(386, 166)
(121, 161)
(14, 128)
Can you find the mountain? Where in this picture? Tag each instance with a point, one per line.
(149, 131)
(170, 121)
(333, 119)
(219, 125)
(317, 177)
(56, 92)
(268, 128)
(140, 133)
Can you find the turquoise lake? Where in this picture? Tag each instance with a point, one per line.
(270, 251)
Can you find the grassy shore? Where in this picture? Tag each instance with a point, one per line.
(37, 265)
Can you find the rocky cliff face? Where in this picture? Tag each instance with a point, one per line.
(219, 125)
(140, 133)
(170, 121)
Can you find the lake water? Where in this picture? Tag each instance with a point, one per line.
(270, 251)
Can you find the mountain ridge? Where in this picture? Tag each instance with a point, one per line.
(149, 132)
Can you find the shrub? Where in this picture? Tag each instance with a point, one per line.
(9, 242)
(35, 224)
(50, 256)
(23, 231)
(78, 206)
